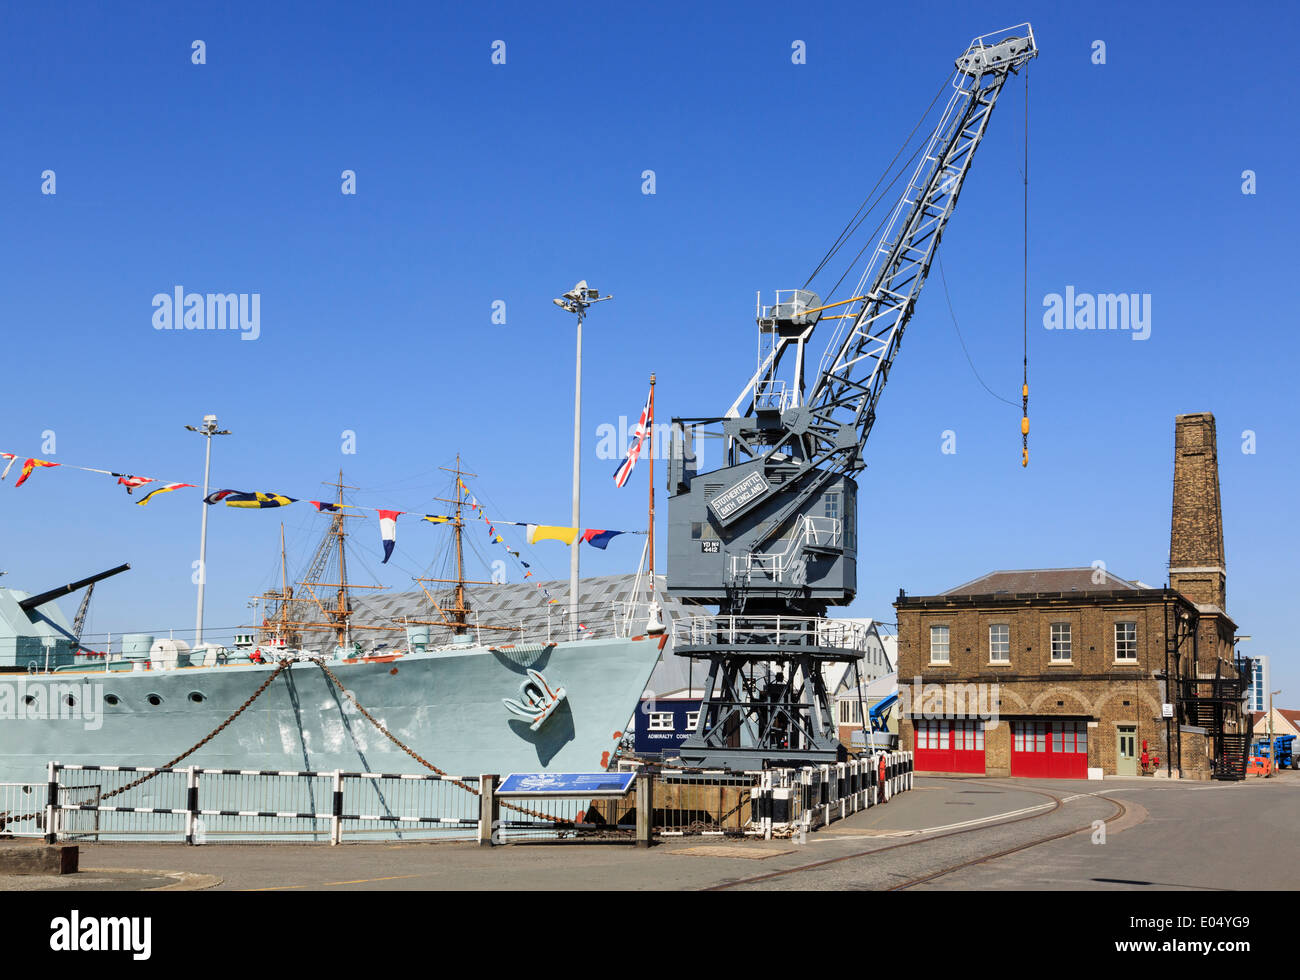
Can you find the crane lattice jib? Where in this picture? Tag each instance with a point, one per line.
(856, 364)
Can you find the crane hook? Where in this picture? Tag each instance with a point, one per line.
(1024, 425)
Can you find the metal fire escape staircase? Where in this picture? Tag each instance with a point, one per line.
(769, 537)
(1210, 703)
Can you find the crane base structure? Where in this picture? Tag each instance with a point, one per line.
(767, 703)
(770, 536)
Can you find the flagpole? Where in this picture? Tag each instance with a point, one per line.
(650, 422)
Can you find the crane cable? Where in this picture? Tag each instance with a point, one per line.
(867, 205)
(1024, 388)
(943, 278)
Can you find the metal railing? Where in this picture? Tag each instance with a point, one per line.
(22, 809)
(706, 804)
(809, 532)
(823, 532)
(205, 805)
(201, 806)
(773, 395)
(730, 630)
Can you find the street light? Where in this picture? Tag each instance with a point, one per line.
(208, 429)
(576, 301)
(1272, 756)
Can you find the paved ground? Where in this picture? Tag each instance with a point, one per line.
(967, 832)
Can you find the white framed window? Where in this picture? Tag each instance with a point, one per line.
(692, 720)
(1000, 643)
(850, 712)
(1061, 642)
(832, 505)
(938, 644)
(661, 721)
(1126, 641)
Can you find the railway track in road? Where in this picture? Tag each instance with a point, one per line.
(1057, 802)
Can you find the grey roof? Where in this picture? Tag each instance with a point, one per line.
(1042, 580)
(519, 604)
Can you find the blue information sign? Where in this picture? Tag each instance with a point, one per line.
(566, 783)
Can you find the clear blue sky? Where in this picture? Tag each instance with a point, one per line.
(479, 182)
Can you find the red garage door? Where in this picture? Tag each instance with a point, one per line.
(950, 746)
(1049, 749)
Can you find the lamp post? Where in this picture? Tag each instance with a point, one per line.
(1272, 756)
(576, 301)
(208, 429)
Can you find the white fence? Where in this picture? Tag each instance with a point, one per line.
(201, 805)
(22, 809)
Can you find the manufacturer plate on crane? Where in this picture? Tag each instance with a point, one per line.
(737, 496)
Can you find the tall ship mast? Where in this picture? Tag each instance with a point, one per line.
(454, 614)
(292, 615)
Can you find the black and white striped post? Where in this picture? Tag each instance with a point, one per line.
(191, 803)
(52, 804)
(336, 810)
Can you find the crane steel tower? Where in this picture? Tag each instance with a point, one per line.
(770, 537)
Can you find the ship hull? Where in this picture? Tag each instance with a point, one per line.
(445, 705)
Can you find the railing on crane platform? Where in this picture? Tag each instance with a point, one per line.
(809, 532)
(767, 631)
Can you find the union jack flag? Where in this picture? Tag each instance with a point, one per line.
(638, 438)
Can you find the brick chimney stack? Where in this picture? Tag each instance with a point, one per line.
(1196, 562)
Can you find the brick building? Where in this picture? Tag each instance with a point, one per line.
(1066, 672)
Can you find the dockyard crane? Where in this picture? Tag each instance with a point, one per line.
(79, 622)
(770, 536)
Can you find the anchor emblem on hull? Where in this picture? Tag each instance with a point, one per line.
(537, 700)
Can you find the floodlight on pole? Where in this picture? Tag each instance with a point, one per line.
(576, 301)
(208, 429)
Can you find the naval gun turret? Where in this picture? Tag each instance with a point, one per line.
(34, 632)
(33, 602)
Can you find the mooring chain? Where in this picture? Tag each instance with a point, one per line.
(207, 738)
(419, 758)
(184, 755)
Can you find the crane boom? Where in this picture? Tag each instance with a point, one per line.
(856, 365)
